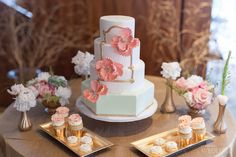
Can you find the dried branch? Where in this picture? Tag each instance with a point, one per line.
(167, 39)
(39, 41)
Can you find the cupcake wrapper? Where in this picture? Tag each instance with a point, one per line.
(200, 131)
(59, 131)
(76, 128)
(59, 127)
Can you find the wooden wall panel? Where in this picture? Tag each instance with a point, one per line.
(139, 9)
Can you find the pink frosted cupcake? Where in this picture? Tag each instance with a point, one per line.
(64, 111)
(75, 124)
(185, 134)
(199, 128)
(58, 123)
(185, 119)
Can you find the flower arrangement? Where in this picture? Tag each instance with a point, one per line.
(170, 70)
(51, 89)
(197, 92)
(222, 98)
(25, 97)
(82, 61)
(125, 42)
(108, 70)
(220, 125)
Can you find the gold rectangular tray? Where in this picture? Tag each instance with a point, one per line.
(145, 144)
(99, 142)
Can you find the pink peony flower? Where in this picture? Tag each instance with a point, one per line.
(108, 70)
(44, 88)
(203, 85)
(201, 98)
(96, 89)
(181, 83)
(124, 43)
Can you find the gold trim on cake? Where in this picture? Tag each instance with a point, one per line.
(131, 67)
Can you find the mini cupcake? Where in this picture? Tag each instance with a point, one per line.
(72, 140)
(58, 123)
(199, 128)
(86, 140)
(85, 148)
(156, 151)
(75, 124)
(185, 134)
(63, 111)
(159, 141)
(171, 146)
(185, 119)
(88, 134)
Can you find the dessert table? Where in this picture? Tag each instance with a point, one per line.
(38, 144)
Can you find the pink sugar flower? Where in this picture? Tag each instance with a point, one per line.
(96, 89)
(124, 43)
(108, 70)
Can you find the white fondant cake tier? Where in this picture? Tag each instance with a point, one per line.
(129, 93)
(109, 52)
(125, 103)
(107, 22)
(118, 87)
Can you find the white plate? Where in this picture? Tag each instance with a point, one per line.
(145, 114)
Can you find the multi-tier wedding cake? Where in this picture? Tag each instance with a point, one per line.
(117, 85)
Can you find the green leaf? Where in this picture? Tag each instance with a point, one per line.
(225, 75)
(57, 81)
(50, 98)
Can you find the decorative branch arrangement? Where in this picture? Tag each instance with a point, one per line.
(37, 42)
(220, 125)
(172, 42)
(226, 75)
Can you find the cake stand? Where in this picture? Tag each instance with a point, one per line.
(145, 114)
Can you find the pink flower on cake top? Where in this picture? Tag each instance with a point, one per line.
(108, 70)
(124, 42)
(97, 89)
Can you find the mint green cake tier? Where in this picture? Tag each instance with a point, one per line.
(125, 103)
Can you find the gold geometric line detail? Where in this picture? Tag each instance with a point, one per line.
(121, 81)
(131, 80)
(109, 29)
(101, 52)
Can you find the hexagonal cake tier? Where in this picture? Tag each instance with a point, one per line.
(125, 103)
